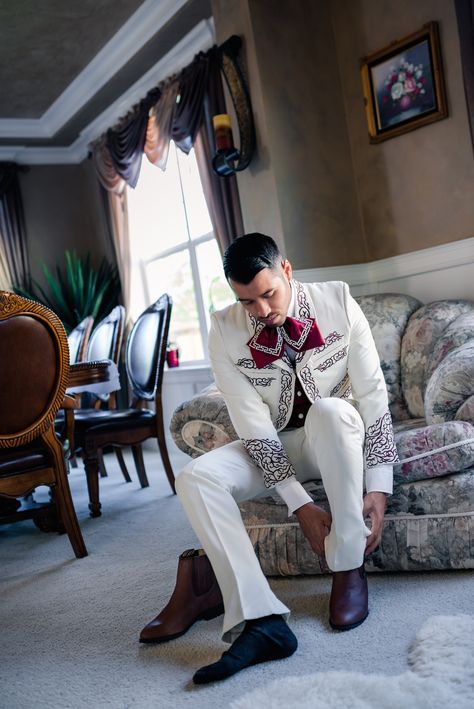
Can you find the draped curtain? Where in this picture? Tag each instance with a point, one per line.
(221, 193)
(465, 18)
(14, 268)
(116, 213)
(5, 283)
(180, 109)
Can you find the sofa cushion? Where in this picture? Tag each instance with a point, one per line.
(429, 438)
(388, 314)
(425, 328)
(450, 389)
(456, 334)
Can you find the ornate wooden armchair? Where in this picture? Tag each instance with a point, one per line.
(34, 370)
(96, 429)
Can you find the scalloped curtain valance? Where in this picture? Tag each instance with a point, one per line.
(180, 109)
(174, 110)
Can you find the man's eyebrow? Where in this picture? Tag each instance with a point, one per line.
(266, 293)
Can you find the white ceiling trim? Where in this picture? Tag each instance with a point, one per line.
(132, 36)
(199, 39)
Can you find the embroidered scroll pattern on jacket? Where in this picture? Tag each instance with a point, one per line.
(329, 340)
(379, 442)
(285, 399)
(301, 299)
(250, 364)
(261, 381)
(340, 354)
(271, 457)
(344, 386)
(309, 385)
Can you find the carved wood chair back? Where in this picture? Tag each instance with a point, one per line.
(34, 370)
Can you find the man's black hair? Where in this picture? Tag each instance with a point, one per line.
(248, 255)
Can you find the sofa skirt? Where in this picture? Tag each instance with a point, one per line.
(429, 525)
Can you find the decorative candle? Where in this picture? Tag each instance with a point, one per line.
(223, 132)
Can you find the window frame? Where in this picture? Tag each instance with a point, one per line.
(191, 246)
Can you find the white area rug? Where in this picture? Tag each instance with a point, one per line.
(442, 674)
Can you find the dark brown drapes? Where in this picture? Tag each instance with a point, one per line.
(221, 193)
(12, 226)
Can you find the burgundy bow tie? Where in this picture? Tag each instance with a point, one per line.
(268, 343)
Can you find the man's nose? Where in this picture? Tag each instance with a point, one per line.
(262, 309)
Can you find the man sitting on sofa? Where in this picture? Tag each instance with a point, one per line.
(299, 372)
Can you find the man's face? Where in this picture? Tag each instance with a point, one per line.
(268, 296)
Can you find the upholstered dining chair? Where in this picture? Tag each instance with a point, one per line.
(34, 371)
(78, 339)
(105, 342)
(95, 429)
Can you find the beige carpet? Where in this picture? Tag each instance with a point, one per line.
(69, 628)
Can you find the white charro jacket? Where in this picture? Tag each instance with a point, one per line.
(260, 401)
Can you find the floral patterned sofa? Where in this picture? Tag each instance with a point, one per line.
(427, 356)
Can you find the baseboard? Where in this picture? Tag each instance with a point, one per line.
(445, 271)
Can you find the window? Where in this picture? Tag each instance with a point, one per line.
(174, 250)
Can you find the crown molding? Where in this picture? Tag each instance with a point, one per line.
(139, 28)
(199, 39)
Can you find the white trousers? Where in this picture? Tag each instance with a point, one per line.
(329, 447)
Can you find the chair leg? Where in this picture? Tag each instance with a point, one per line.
(91, 466)
(160, 431)
(121, 462)
(140, 465)
(68, 517)
(64, 503)
(73, 461)
(100, 458)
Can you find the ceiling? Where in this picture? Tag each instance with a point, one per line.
(69, 69)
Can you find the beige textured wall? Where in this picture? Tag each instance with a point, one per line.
(63, 212)
(300, 185)
(309, 143)
(341, 200)
(416, 190)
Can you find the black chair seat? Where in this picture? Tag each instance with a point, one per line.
(91, 421)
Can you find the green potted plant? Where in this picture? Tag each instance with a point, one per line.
(78, 290)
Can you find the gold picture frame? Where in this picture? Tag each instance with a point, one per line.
(403, 85)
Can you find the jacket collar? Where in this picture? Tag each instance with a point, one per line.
(303, 308)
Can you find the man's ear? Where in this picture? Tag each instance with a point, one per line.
(287, 269)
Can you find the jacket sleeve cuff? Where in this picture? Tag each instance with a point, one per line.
(293, 494)
(379, 479)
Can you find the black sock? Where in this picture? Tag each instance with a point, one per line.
(262, 640)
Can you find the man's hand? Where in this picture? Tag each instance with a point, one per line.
(374, 508)
(315, 524)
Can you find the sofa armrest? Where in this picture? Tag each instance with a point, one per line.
(202, 423)
(450, 391)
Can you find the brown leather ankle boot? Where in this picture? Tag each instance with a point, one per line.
(196, 596)
(349, 602)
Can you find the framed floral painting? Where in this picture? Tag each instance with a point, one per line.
(403, 85)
